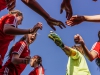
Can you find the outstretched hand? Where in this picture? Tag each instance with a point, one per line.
(74, 20)
(38, 26)
(57, 40)
(53, 22)
(10, 4)
(66, 5)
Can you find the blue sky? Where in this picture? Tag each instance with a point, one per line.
(54, 59)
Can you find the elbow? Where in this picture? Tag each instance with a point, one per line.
(91, 59)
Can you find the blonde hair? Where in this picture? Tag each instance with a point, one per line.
(16, 12)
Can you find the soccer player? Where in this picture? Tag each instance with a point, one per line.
(8, 30)
(94, 53)
(76, 63)
(36, 62)
(9, 4)
(19, 56)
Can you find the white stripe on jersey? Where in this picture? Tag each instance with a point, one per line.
(21, 48)
(93, 46)
(6, 71)
(40, 71)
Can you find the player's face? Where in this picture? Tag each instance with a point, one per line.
(32, 62)
(31, 38)
(76, 39)
(19, 20)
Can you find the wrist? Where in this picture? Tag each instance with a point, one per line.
(83, 44)
(62, 46)
(30, 31)
(83, 18)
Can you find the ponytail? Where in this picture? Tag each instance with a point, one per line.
(98, 62)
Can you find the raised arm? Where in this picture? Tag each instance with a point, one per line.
(91, 55)
(35, 6)
(66, 5)
(68, 51)
(9, 29)
(74, 20)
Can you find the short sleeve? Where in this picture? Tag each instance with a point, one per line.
(96, 47)
(19, 47)
(11, 20)
(77, 54)
(40, 71)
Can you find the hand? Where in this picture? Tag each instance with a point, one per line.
(53, 22)
(80, 39)
(53, 36)
(27, 59)
(11, 4)
(66, 5)
(74, 20)
(38, 26)
(94, 0)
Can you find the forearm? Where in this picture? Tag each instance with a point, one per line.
(17, 60)
(68, 51)
(15, 31)
(36, 7)
(95, 18)
(87, 52)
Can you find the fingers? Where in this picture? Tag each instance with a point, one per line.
(11, 4)
(11, 7)
(40, 25)
(61, 11)
(72, 21)
(52, 27)
(68, 15)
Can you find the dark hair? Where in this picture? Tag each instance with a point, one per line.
(39, 60)
(99, 35)
(79, 48)
(98, 62)
(22, 39)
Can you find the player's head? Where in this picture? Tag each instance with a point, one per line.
(78, 46)
(18, 14)
(30, 38)
(76, 39)
(36, 61)
(99, 35)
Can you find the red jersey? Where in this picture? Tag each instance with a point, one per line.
(96, 48)
(2, 4)
(4, 38)
(21, 48)
(37, 71)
